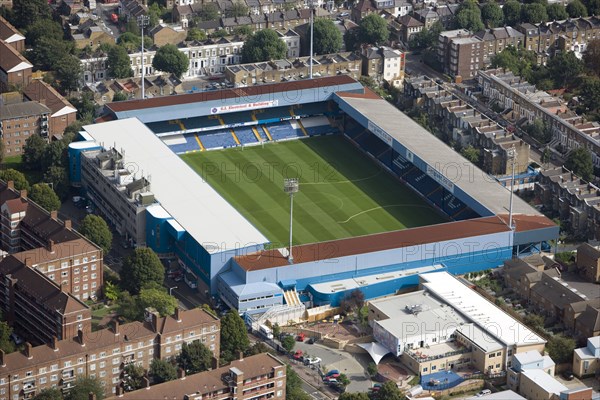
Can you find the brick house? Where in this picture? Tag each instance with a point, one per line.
(15, 70)
(62, 114)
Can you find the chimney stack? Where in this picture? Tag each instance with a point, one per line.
(80, 337)
(23, 194)
(51, 245)
(68, 224)
(154, 317)
(10, 185)
(28, 348)
(180, 373)
(54, 343)
(28, 262)
(241, 356)
(177, 314)
(2, 364)
(116, 327)
(214, 362)
(54, 214)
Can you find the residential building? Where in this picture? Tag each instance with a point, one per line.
(362, 9)
(449, 332)
(19, 121)
(261, 376)
(105, 353)
(15, 70)
(132, 8)
(92, 35)
(568, 129)
(164, 34)
(62, 113)
(525, 361)
(347, 63)
(383, 64)
(586, 360)
(11, 35)
(494, 40)
(292, 41)
(460, 53)
(588, 262)
(406, 27)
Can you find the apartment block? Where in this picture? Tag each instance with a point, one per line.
(568, 129)
(258, 377)
(19, 121)
(62, 113)
(104, 354)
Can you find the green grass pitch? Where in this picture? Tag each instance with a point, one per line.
(342, 194)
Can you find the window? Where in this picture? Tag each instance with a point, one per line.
(76, 271)
(53, 378)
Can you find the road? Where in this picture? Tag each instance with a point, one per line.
(104, 11)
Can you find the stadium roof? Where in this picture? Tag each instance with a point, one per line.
(200, 210)
(230, 100)
(480, 311)
(473, 181)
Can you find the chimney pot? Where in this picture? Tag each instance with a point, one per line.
(68, 224)
(28, 348)
(28, 262)
(23, 194)
(51, 246)
(155, 322)
(54, 214)
(10, 185)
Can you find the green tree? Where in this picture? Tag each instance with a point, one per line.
(5, 343)
(83, 388)
(45, 197)
(327, 37)
(196, 34)
(27, 12)
(468, 16)
(134, 377)
(343, 380)
(257, 348)
(120, 96)
(373, 29)
(535, 321)
(208, 12)
(592, 6)
(162, 371)
(44, 27)
(49, 394)
(85, 106)
(470, 153)
(491, 14)
(130, 41)
(591, 56)
(169, 59)
(118, 63)
(288, 343)
(94, 228)
(564, 68)
(48, 52)
(389, 391)
(293, 386)
(238, 9)
(140, 268)
(276, 330)
(244, 30)
(372, 369)
(128, 307)
(158, 299)
(194, 357)
(560, 348)
(57, 176)
(589, 96)
(580, 162)
(263, 45)
(534, 13)
(132, 26)
(234, 336)
(576, 9)
(556, 12)
(354, 396)
(209, 310)
(512, 12)
(53, 155)
(111, 291)
(17, 177)
(539, 131)
(68, 71)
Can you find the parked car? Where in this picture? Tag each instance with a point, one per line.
(484, 392)
(301, 336)
(298, 355)
(16, 338)
(310, 341)
(312, 360)
(333, 372)
(568, 375)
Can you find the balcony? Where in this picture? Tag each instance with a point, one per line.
(29, 387)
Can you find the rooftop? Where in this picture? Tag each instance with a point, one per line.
(201, 211)
(24, 109)
(542, 379)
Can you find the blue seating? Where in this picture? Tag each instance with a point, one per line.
(218, 139)
(372, 144)
(200, 122)
(312, 109)
(401, 165)
(191, 144)
(245, 134)
(283, 130)
(272, 113)
(236, 118)
(163, 126)
(319, 130)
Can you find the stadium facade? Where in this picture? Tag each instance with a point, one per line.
(128, 165)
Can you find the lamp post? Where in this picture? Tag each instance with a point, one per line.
(512, 152)
(291, 186)
(143, 20)
(312, 20)
(171, 290)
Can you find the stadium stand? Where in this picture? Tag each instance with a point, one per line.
(201, 122)
(317, 126)
(218, 139)
(246, 135)
(236, 117)
(270, 114)
(312, 109)
(164, 126)
(182, 143)
(372, 144)
(283, 130)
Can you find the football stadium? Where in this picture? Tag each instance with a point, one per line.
(200, 178)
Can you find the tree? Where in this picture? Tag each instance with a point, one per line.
(169, 59)
(83, 388)
(591, 56)
(45, 27)
(560, 348)
(17, 177)
(354, 396)
(119, 96)
(352, 302)
(158, 299)
(327, 37)
(589, 96)
(134, 377)
(534, 321)
(263, 45)
(580, 162)
(53, 155)
(468, 16)
(129, 307)
(512, 12)
(162, 371)
(343, 380)
(576, 9)
(534, 13)
(94, 228)
(45, 197)
(209, 310)
(556, 12)
(244, 30)
(27, 12)
(238, 9)
(48, 52)
(132, 27)
(257, 348)
(196, 34)
(491, 14)
(5, 343)
(293, 386)
(373, 29)
(118, 63)
(49, 394)
(470, 153)
(85, 107)
(140, 268)
(372, 369)
(33, 150)
(276, 330)
(208, 12)
(389, 391)
(288, 343)
(111, 291)
(564, 68)
(194, 357)
(592, 6)
(234, 336)
(57, 176)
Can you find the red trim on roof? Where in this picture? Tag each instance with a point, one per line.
(368, 94)
(525, 223)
